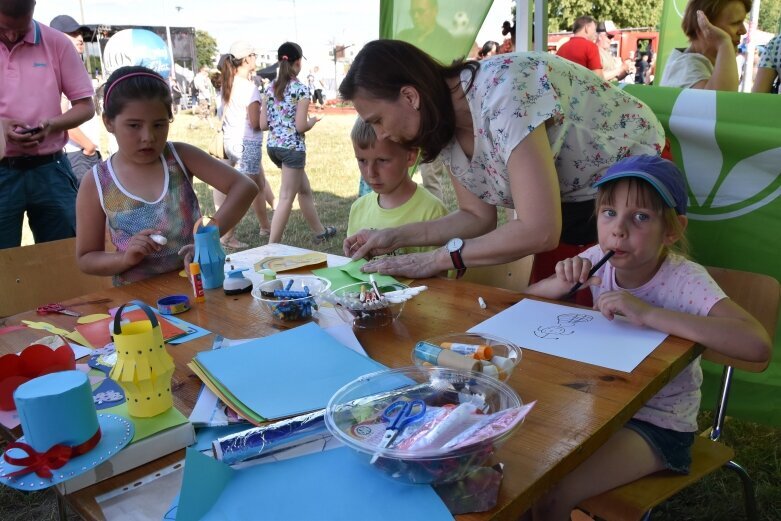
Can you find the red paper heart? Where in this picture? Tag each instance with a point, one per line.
(7, 388)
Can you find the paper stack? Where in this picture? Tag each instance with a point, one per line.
(286, 374)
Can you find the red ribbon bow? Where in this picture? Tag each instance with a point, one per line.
(42, 463)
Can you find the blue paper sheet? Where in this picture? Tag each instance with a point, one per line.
(204, 436)
(288, 373)
(334, 485)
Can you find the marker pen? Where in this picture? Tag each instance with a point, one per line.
(444, 357)
(477, 351)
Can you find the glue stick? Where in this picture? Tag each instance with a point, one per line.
(444, 357)
(476, 351)
(195, 277)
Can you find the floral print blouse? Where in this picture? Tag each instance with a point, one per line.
(590, 124)
(282, 116)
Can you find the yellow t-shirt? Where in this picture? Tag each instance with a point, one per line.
(422, 206)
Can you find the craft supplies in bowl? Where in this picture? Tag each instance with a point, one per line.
(424, 425)
(292, 298)
(367, 305)
(487, 354)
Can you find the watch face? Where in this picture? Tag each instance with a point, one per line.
(455, 244)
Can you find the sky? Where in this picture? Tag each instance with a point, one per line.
(314, 24)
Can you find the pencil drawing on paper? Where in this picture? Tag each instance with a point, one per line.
(566, 326)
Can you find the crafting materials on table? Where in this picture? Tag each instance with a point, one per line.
(398, 415)
(444, 357)
(292, 298)
(236, 283)
(481, 303)
(592, 271)
(476, 351)
(143, 368)
(197, 282)
(209, 253)
(59, 308)
(173, 305)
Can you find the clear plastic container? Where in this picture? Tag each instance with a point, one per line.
(295, 308)
(496, 356)
(371, 314)
(353, 416)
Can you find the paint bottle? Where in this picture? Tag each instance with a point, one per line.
(195, 278)
(476, 351)
(444, 357)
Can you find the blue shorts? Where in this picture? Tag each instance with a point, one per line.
(244, 154)
(47, 193)
(287, 157)
(673, 448)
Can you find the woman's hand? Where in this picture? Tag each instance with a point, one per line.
(711, 35)
(370, 243)
(140, 246)
(614, 303)
(412, 265)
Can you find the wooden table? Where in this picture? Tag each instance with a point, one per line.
(578, 405)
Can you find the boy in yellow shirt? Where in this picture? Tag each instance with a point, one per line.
(396, 199)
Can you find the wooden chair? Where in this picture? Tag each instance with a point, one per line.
(31, 276)
(759, 295)
(513, 275)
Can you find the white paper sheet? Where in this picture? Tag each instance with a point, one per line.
(577, 334)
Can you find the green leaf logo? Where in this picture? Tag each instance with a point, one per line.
(723, 186)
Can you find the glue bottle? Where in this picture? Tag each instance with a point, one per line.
(444, 357)
(476, 351)
(195, 277)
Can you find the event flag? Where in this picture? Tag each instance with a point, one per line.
(447, 33)
(671, 34)
(729, 146)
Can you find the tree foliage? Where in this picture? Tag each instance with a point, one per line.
(770, 15)
(205, 48)
(626, 13)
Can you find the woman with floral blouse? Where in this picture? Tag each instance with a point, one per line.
(527, 131)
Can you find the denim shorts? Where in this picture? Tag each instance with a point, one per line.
(287, 157)
(47, 193)
(244, 154)
(673, 448)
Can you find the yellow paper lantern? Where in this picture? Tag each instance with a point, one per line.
(143, 368)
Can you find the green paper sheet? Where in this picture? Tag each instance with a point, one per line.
(146, 427)
(351, 273)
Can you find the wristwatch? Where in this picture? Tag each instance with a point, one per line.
(454, 247)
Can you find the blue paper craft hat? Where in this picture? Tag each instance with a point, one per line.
(58, 417)
(660, 173)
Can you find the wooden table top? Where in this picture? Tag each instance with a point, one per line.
(578, 405)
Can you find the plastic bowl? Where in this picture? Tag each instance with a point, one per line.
(296, 308)
(353, 416)
(509, 354)
(366, 315)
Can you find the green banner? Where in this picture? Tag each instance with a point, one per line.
(670, 33)
(445, 30)
(729, 146)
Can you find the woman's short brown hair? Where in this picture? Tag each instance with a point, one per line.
(711, 8)
(383, 67)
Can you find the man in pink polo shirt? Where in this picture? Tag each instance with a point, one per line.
(582, 48)
(37, 66)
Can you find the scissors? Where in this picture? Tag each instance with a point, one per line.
(399, 414)
(59, 308)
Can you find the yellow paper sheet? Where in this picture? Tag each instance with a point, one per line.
(79, 339)
(290, 262)
(88, 319)
(45, 326)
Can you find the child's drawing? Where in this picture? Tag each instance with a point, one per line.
(567, 321)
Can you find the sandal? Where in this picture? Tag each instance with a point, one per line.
(330, 231)
(264, 232)
(234, 244)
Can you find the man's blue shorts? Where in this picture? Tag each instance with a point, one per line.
(47, 192)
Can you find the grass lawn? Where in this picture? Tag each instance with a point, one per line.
(334, 175)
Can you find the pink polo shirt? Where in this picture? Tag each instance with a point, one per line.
(33, 77)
